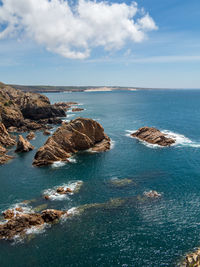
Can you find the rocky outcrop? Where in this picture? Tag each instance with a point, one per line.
(153, 136)
(78, 135)
(192, 259)
(5, 138)
(25, 110)
(30, 136)
(19, 223)
(23, 145)
(77, 109)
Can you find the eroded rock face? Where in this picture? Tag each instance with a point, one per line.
(21, 110)
(77, 135)
(5, 138)
(23, 145)
(153, 136)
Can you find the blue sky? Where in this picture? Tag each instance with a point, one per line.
(167, 57)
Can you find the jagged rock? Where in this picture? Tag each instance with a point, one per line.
(192, 259)
(77, 135)
(51, 215)
(5, 138)
(23, 145)
(153, 136)
(46, 132)
(30, 136)
(77, 109)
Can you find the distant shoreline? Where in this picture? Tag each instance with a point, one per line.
(60, 89)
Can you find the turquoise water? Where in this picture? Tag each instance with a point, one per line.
(149, 233)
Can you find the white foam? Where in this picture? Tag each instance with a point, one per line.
(112, 144)
(71, 115)
(72, 159)
(53, 195)
(58, 164)
(181, 140)
(36, 229)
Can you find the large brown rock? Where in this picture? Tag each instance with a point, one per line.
(23, 145)
(153, 136)
(77, 135)
(18, 109)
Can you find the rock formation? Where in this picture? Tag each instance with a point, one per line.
(19, 223)
(24, 111)
(78, 135)
(7, 141)
(153, 136)
(5, 138)
(192, 259)
(77, 109)
(23, 145)
(30, 136)
(46, 132)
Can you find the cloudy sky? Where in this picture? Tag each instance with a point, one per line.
(147, 43)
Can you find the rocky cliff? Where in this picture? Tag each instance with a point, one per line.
(78, 135)
(26, 111)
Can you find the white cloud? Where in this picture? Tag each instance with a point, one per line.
(73, 31)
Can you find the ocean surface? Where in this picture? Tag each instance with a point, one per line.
(137, 233)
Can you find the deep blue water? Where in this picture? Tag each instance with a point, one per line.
(149, 233)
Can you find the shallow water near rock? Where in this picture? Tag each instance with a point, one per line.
(141, 233)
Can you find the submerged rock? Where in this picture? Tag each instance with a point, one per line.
(152, 194)
(30, 136)
(153, 136)
(77, 135)
(121, 182)
(23, 145)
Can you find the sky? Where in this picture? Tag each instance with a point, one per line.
(142, 43)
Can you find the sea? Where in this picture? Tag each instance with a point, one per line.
(117, 225)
